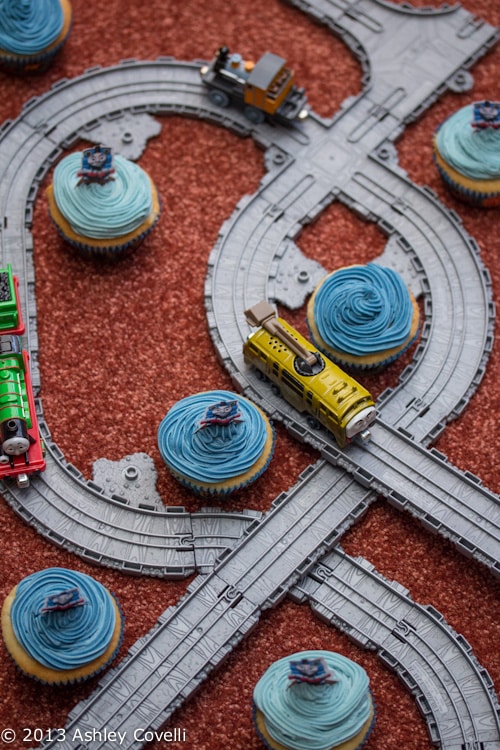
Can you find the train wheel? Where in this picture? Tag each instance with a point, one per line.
(219, 98)
(313, 423)
(255, 115)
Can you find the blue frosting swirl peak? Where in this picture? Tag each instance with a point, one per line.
(29, 26)
(65, 639)
(363, 310)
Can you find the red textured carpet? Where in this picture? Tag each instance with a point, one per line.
(120, 344)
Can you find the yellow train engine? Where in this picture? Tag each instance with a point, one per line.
(306, 378)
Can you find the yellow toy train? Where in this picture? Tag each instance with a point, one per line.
(306, 378)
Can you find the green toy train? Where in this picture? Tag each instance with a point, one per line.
(21, 447)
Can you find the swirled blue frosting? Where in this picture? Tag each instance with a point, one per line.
(65, 639)
(216, 452)
(474, 152)
(314, 717)
(29, 26)
(363, 310)
(112, 209)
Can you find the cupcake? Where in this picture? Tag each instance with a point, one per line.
(467, 153)
(215, 442)
(103, 206)
(61, 626)
(32, 32)
(363, 316)
(318, 700)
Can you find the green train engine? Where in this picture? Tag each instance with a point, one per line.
(11, 320)
(21, 447)
(306, 378)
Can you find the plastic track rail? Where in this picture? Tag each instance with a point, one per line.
(436, 664)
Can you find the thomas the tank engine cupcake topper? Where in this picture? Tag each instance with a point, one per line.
(312, 671)
(221, 413)
(97, 165)
(486, 115)
(67, 599)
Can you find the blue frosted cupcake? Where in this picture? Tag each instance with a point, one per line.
(467, 153)
(215, 442)
(318, 700)
(103, 218)
(363, 316)
(61, 626)
(32, 32)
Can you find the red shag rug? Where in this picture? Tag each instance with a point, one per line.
(94, 320)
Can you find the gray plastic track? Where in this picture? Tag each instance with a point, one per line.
(218, 610)
(191, 639)
(453, 692)
(410, 58)
(298, 158)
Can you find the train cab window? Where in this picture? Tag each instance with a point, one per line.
(257, 352)
(292, 383)
(327, 414)
(278, 83)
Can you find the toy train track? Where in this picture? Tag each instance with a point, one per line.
(409, 639)
(140, 540)
(220, 609)
(411, 213)
(193, 637)
(431, 392)
(296, 189)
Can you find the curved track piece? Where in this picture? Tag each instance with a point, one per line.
(454, 693)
